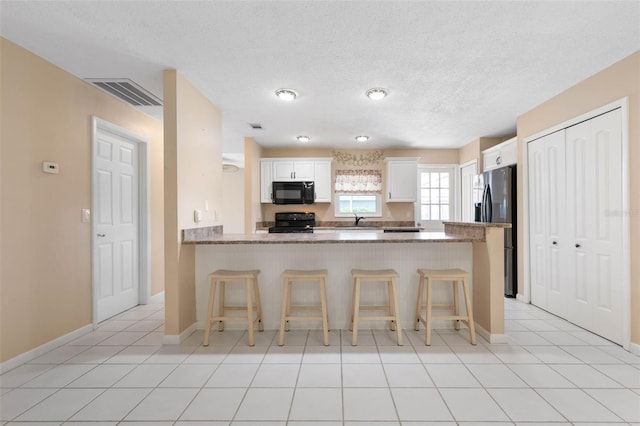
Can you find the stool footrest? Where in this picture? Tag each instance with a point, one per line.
(387, 317)
(298, 318)
(305, 307)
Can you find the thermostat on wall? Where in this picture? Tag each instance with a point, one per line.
(50, 167)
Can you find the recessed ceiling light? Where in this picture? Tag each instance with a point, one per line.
(377, 93)
(362, 138)
(286, 94)
(303, 138)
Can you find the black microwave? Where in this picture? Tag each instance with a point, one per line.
(293, 192)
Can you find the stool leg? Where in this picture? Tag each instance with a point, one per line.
(249, 311)
(323, 305)
(353, 301)
(392, 325)
(456, 305)
(283, 310)
(467, 301)
(356, 311)
(419, 304)
(427, 339)
(221, 306)
(256, 289)
(288, 289)
(212, 295)
(396, 310)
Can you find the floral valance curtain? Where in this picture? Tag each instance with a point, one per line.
(358, 181)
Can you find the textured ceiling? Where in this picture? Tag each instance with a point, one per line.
(455, 70)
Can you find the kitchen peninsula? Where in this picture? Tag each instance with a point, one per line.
(476, 247)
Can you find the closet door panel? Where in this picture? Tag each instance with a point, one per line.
(538, 204)
(556, 238)
(606, 241)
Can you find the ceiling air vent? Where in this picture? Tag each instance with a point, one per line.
(127, 90)
(255, 125)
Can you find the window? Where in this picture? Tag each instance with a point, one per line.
(362, 204)
(436, 197)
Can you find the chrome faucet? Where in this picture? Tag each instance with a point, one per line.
(358, 218)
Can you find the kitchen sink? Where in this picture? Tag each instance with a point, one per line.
(352, 227)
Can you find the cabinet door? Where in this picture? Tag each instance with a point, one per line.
(594, 188)
(491, 160)
(266, 177)
(282, 170)
(402, 181)
(303, 170)
(323, 183)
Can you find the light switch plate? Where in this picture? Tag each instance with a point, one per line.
(197, 216)
(86, 215)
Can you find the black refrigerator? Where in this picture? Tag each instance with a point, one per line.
(499, 206)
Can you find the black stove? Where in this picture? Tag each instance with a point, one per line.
(294, 222)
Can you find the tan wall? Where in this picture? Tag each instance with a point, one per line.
(473, 150)
(616, 82)
(45, 285)
(193, 178)
(233, 202)
(390, 211)
(252, 206)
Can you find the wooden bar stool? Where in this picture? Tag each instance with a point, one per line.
(388, 276)
(428, 276)
(250, 279)
(290, 276)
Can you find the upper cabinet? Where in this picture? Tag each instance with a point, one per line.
(322, 179)
(503, 154)
(317, 170)
(293, 170)
(402, 179)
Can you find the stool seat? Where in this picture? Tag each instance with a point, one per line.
(426, 279)
(387, 276)
(290, 276)
(219, 278)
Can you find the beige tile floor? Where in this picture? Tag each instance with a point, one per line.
(550, 372)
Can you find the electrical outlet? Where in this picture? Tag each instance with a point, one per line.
(197, 216)
(50, 167)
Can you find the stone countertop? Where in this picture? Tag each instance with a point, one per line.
(480, 224)
(345, 237)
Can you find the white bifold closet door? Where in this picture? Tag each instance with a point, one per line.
(575, 183)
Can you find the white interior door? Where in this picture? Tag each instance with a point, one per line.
(594, 178)
(115, 224)
(467, 174)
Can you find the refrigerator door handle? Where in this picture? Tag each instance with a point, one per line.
(487, 204)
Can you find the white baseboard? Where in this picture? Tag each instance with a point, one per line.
(42, 349)
(157, 298)
(522, 298)
(634, 348)
(491, 338)
(176, 339)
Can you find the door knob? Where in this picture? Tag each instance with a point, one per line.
(555, 243)
(101, 235)
(577, 245)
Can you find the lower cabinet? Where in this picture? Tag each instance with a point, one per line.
(575, 225)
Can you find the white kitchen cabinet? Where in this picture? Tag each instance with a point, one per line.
(317, 170)
(402, 179)
(293, 170)
(266, 177)
(503, 154)
(575, 237)
(323, 182)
